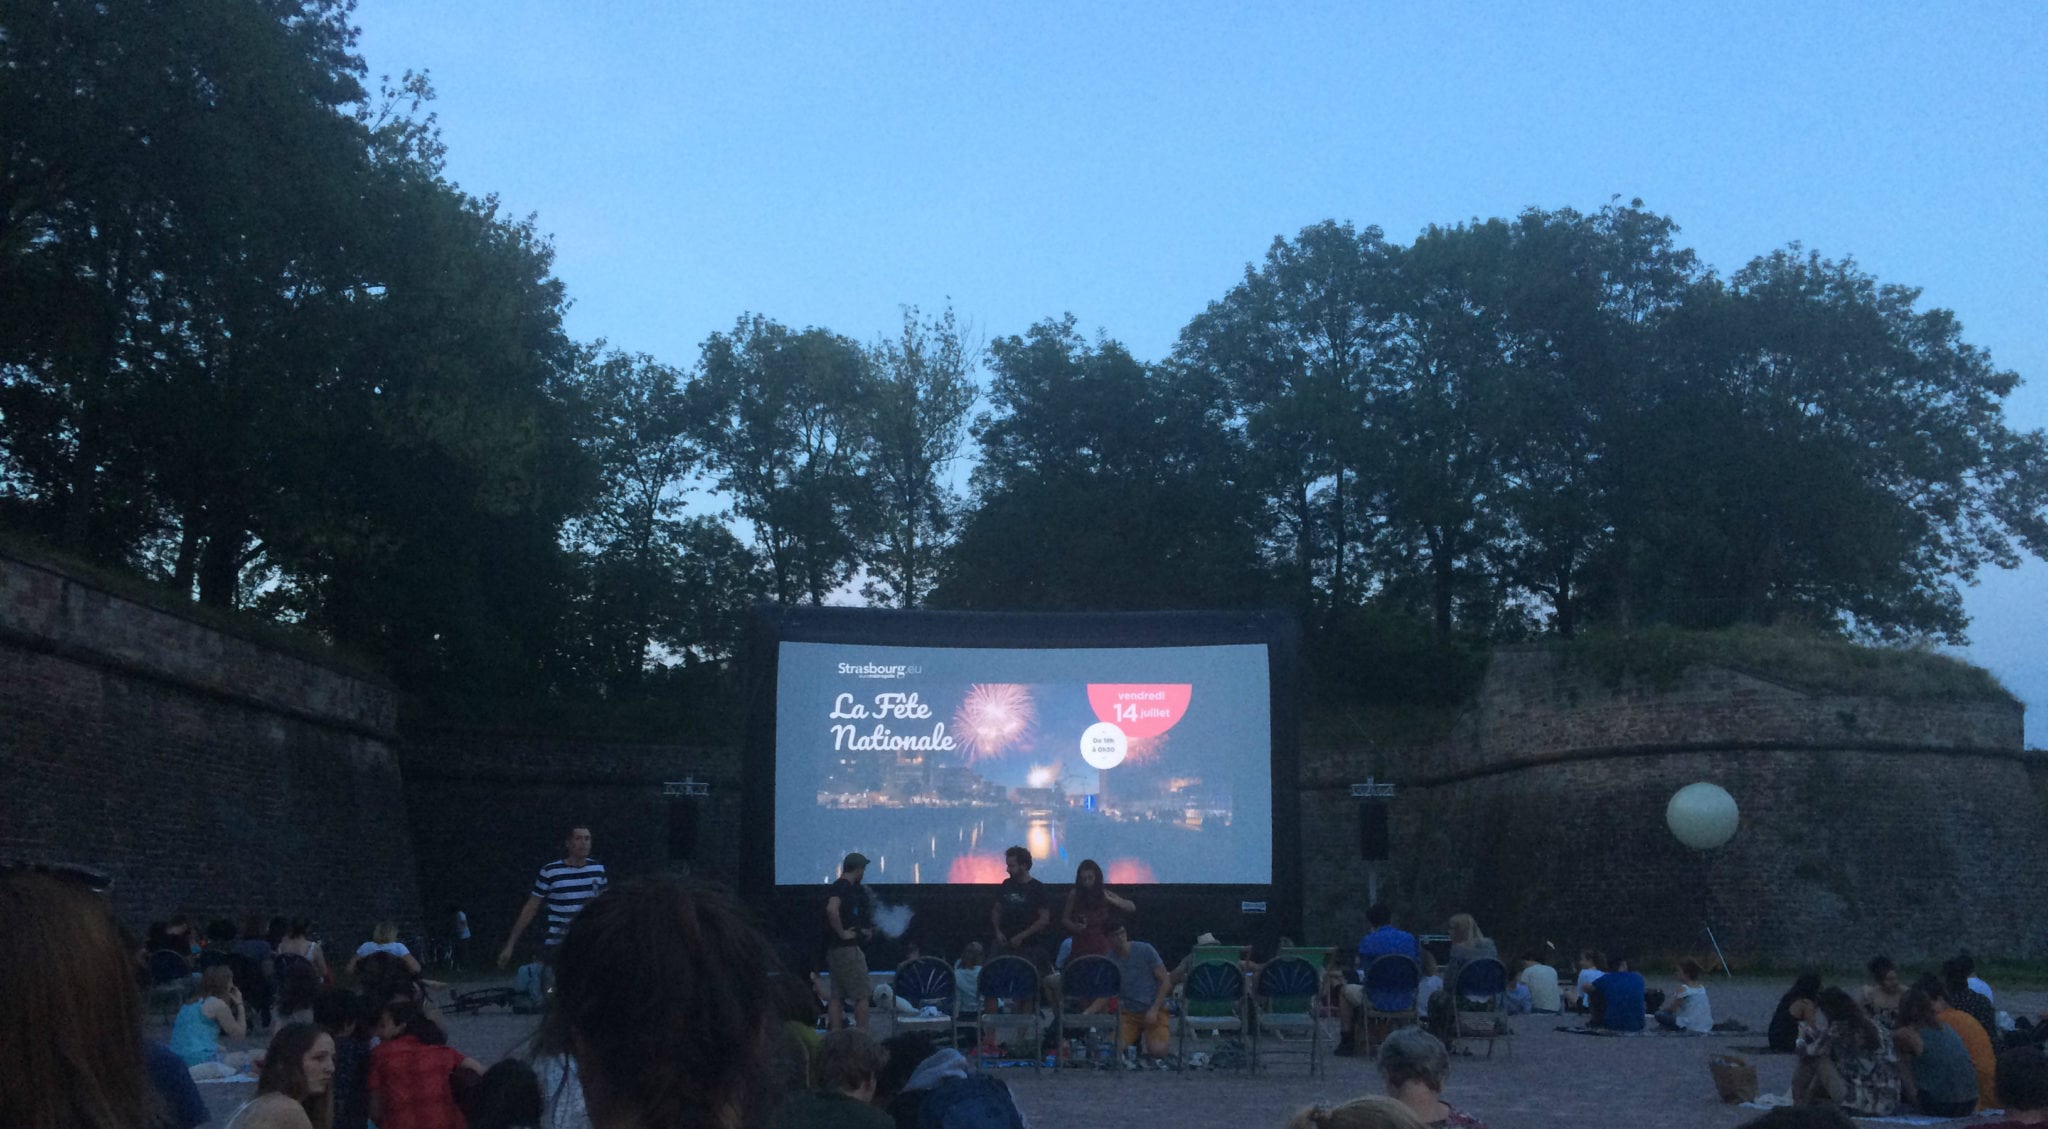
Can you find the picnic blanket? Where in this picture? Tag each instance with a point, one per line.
(245, 1076)
(1773, 1101)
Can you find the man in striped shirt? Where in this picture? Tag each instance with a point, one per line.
(564, 886)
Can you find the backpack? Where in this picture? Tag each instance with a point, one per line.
(974, 1102)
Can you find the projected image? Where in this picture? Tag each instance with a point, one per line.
(1155, 762)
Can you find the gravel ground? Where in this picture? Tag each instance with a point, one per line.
(1539, 1079)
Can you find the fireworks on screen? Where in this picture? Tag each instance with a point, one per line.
(994, 717)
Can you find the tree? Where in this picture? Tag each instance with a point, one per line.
(779, 421)
(919, 394)
(1103, 484)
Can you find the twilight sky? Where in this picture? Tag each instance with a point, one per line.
(826, 163)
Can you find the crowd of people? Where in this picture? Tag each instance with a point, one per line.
(657, 1018)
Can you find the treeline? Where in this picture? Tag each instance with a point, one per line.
(254, 343)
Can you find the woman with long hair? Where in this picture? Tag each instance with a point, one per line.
(657, 997)
(1937, 1075)
(213, 1012)
(1087, 913)
(295, 1089)
(412, 1070)
(298, 942)
(71, 1053)
(1848, 1061)
(1467, 945)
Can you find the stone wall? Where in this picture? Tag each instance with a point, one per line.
(208, 773)
(1868, 825)
(487, 810)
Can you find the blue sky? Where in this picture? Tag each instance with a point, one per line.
(826, 163)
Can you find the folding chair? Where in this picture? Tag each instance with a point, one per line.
(1011, 981)
(1090, 981)
(1391, 976)
(1480, 1000)
(1284, 1009)
(925, 983)
(1212, 1000)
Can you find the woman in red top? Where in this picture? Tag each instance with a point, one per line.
(1088, 906)
(411, 1072)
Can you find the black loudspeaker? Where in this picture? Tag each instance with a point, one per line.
(1372, 830)
(682, 828)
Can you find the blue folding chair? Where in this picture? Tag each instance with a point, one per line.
(1480, 1000)
(1012, 982)
(925, 984)
(1090, 981)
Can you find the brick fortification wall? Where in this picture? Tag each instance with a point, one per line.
(1868, 825)
(207, 773)
(487, 810)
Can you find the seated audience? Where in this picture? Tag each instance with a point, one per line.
(1955, 983)
(1540, 979)
(509, 1097)
(1592, 965)
(1967, 965)
(849, 1064)
(1383, 939)
(1880, 998)
(212, 1013)
(1145, 989)
(255, 970)
(1414, 1065)
(295, 1088)
(1934, 1067)
(1847, 1061)
(1358, 1113)
(1784, 1029)
(345, 1016)
(1467, 945)
(298, 942)
(966, 973)
(384, 939)
(1615, 1000)
(1975, 1036)
(940, 1084)
(71, 1048)
(2022, 1089)
(657, 998)
(411, 1081)
(1686, 1009)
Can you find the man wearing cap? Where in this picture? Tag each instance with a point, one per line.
(848, 913)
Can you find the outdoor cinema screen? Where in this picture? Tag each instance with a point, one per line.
(1155, 761)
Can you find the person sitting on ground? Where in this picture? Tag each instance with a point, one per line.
(384, 939)
(298, 942)
(849, 1063)
(1467, 945)
(212, 1013)
(1432, 980)
(1687, 1009)
(1145, 989)
(1358, 1113)
(295, 1088)
(1967, 965)
(1615, 1000)
(1414, 1065)
(411, 1082)
(1848, 1061)
(1880, 998)
(1935, 1073)
(1383, 939)
(907, 1053)
(255, 972)
(343, 1015)
(509, 1097)
(1784, 1029)
(2022, 1089)
(1592, 965)
(940, 1087)
(1955, 983)
(1976, 1039)
(1537, 975)
(71, 1049)
(1088, 907)
(657, 997)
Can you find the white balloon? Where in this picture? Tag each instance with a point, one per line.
(1702, 815)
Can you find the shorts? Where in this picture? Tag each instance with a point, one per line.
(849, 968)
(1131, 1023)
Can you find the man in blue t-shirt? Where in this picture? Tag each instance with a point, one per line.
(1617, 1000)
(1383, 940)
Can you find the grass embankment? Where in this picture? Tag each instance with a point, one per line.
(1816, 663)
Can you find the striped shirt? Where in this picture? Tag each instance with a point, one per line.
(567, 889)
